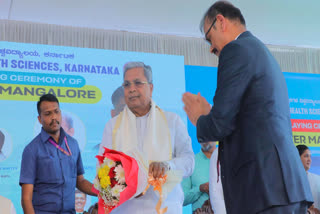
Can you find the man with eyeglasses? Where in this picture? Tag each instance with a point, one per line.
(161, 137)
(260, 169)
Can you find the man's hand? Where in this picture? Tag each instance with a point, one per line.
(157, 169)
(84, 185)
(26, 198)
(198, 211)
(206, 207)
(195, 106)
(313, 210)
(204, 187)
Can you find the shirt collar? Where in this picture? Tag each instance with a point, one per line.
(244, 35)
(238, 36)
(45, 136)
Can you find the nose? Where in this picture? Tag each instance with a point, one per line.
(132, 87)
(54, 116)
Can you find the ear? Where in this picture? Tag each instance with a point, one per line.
(222, 22)
(39, 119)
(151, 89)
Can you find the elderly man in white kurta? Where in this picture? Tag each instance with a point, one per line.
(161, 137)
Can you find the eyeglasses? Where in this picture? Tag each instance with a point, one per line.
(136, 83)
(205, 35)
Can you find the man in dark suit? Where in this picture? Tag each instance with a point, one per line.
(260, 168)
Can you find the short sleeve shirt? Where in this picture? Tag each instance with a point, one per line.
(52, 172)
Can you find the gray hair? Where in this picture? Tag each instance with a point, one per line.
(147, 69)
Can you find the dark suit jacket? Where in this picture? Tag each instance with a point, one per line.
(260, 166)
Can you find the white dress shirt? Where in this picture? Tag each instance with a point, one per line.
(215, 186)
(314, 181)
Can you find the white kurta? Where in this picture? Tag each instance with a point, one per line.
(182, 159)
(215, 186)
(314, 181)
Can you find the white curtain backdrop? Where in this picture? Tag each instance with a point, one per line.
(195, 50)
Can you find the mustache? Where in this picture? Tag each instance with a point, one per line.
(54, 121)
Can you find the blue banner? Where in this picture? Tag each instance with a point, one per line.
(83, 80)
(304, 98)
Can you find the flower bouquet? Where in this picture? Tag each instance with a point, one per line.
(121, 177)
(117, 179)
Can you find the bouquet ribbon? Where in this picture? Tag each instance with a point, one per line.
(157, 186)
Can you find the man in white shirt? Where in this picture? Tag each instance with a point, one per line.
(160, 136)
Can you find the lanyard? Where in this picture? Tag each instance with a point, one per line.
(60, 148)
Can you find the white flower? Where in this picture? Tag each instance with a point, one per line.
(116, 190)
(109, 163)
(120, 174)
